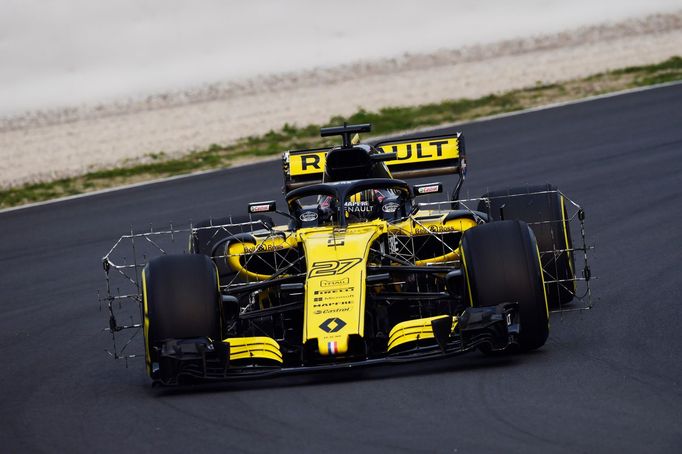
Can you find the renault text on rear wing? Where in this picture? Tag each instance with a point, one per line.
(415, 158)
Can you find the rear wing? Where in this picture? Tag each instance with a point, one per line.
(415, 158)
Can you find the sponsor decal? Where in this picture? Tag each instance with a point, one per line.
(335, 291)
(263, 248)
(334, 282)
(332, 267)
(336, 240)
(313, 162)
(308, 216)
(262, 207)
(332, 303)
(338, 297)
(390, 207)
(436, 229)
(307, 163)
(434, 188)
(428, 150)
(358, 207)
(332, 325)
(331, 311)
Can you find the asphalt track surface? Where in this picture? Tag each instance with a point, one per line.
(607, 380)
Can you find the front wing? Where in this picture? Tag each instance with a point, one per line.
(492, 328)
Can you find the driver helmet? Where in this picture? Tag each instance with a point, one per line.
(365, 204)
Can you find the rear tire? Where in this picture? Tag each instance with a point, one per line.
(536, 209)
(181, 300)
(501, 264)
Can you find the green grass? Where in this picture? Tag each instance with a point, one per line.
(385, 121)
(667, 71)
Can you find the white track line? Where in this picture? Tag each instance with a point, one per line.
(274, 158)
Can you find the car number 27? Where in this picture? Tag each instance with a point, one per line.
(332, 267)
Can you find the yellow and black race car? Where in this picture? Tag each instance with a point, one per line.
(366, 271)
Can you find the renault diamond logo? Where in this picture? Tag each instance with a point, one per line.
(332, 325)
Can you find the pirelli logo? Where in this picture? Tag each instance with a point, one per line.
(443, 148)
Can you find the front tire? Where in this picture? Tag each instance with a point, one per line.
(181, 300)
(501, 264)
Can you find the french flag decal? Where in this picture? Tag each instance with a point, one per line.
(331, 346)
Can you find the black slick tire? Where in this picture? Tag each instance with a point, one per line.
(181, 301)
(501, 264)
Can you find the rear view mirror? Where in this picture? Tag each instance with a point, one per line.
(429, 188)
(262, 207)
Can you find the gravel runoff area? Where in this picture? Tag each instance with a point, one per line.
(39, 146)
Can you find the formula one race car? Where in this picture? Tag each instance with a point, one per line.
(362, 273)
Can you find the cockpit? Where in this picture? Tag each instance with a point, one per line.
(344, 202)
